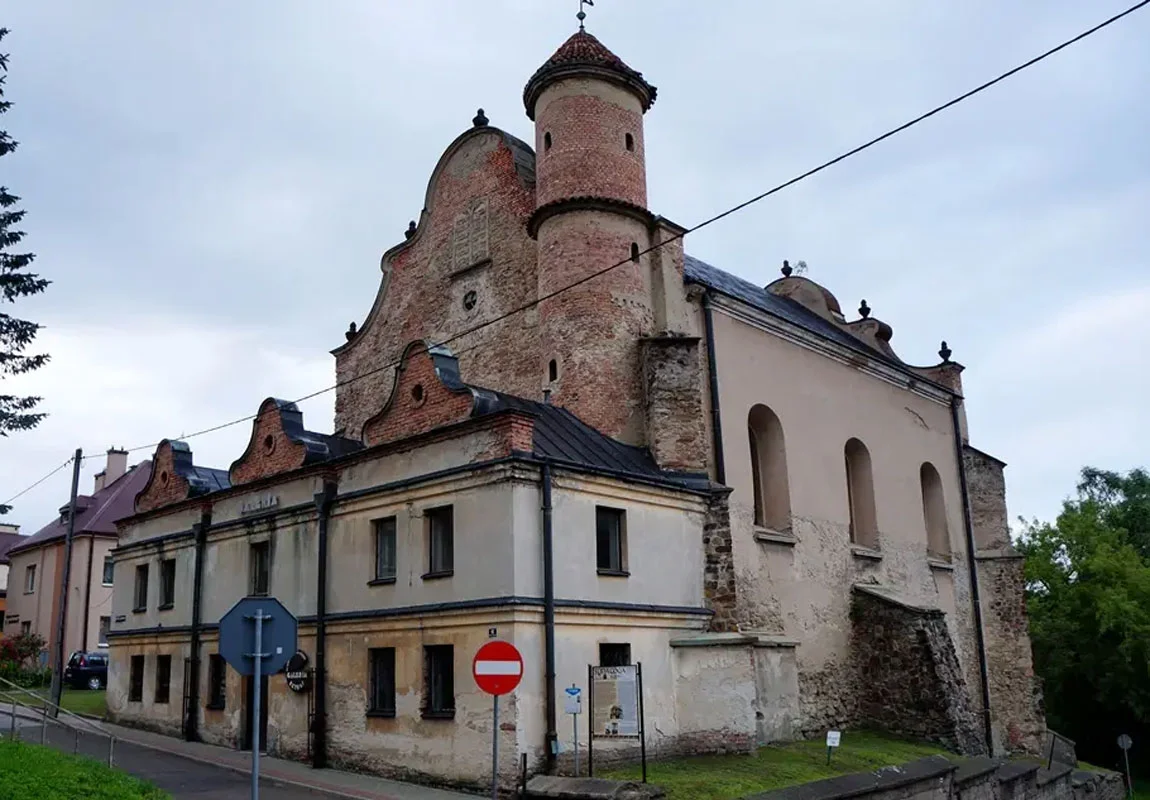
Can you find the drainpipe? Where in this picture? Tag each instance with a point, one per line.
(716, 417)
(324, 500)
(87, 594)
(191, 722)
(552, 743)
(968, 524)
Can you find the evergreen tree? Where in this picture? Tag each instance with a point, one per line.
(16, 413)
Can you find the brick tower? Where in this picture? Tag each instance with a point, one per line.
(591, 212)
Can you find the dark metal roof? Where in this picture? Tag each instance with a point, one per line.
(207, 479)
(696, 271)
(7, 542)
(98, 513)
(564, 439)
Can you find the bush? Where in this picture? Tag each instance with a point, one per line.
(18, 661)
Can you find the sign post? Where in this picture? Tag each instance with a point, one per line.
(573, 706)
(257, 637)
(616, 709)
(497, 669)
(834, 738)
(1125, 742)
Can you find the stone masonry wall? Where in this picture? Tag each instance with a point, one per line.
(910, 679)
(674, 404)
(718, 564)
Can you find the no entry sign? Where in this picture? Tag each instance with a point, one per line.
(497, 668)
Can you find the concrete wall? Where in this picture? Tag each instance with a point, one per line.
(799, 585)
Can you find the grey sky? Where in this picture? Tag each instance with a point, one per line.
(210, 186)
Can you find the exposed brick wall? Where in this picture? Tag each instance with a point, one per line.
(588, 122)
(593, 330)
(719, 591)
(910, 681)
(1015, 690)
(987, 487)
(674, 402)
(164, 487)
(418, 403)
(423, 294)
(269, 451)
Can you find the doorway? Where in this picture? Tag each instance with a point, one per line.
(249, 698)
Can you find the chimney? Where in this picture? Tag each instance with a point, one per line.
(99, 484)
(115, 468)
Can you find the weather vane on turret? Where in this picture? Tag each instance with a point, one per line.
(582, 15)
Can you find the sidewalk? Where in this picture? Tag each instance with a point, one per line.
(291, 773)
(208, 772)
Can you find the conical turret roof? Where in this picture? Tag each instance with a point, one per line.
(584, 55)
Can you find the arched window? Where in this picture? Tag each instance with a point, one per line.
(934, 513)
(546, 141)
(553, 370)
(630, 142)
(860, 495)
(634, 251)
(769, 470)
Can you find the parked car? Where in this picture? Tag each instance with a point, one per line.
(87, 671)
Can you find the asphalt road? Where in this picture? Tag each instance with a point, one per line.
(180, 777)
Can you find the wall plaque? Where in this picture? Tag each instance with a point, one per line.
(297, 674)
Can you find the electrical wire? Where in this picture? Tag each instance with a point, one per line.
(20, 494)
(705, 223)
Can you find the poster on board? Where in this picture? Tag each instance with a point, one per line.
(615, 713)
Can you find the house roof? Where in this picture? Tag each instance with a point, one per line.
(95, 514)
(696, 271)
(7, 542)
(579, 55)
(562, 438)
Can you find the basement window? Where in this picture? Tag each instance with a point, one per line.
(382, 681)
(217, 682)
(136, 679)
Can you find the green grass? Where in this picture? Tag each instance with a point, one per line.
(728, 777)
(31, 772)
(78, 701)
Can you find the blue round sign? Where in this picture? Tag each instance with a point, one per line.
(278, 631)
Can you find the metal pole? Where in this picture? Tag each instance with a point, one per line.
(1129, 783)
(642, 720)
(495, 752)
(590, 721)
(575, 732)
(257, 680)
(44, 725)
(58, 666)
(12, 733)
(76, 741)
(111, 748)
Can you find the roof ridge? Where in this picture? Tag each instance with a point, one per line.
(106, 504)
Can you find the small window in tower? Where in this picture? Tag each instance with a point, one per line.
(630, 142)
(634, 251)
(553, 370)
(547, 141)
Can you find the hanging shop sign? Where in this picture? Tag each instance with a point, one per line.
(297, 674)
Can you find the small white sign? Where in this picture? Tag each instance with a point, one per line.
(833, 738)
(573, 700)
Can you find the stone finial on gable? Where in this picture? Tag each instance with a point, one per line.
(427, 393)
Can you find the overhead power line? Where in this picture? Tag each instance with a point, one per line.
(705, 223)
(25, 491)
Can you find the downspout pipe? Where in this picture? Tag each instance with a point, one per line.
(324, 500)
(552, 743)
(200, 531)
(975, 595)
(713, 374)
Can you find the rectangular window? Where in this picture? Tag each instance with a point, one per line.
(385, 567)
(261, 566)
(167, 583)
(614, 654)
(381, 662)
(141, 600)
(105, 626)
(136, 679)
(109, 570)
(440, 541)
(30, 579)
(163, 678)
(217, 682)
(439, 681)
(610, 540)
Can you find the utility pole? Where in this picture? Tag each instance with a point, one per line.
(61, 617)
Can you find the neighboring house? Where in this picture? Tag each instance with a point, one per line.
(741, 489)
(9, 536)
(36, 563)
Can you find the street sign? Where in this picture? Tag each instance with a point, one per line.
(573, 702)
(834, 738)
(497, 667)
(238, 640)
(1125, 742)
